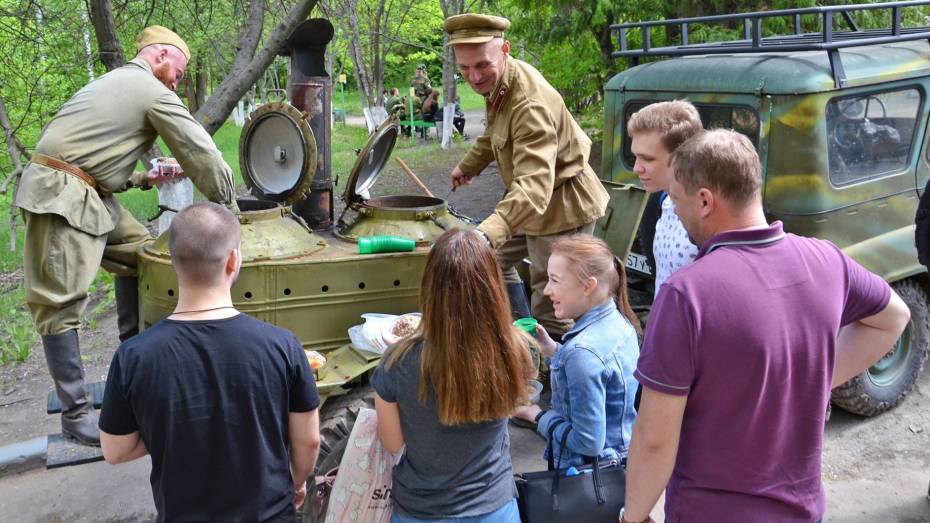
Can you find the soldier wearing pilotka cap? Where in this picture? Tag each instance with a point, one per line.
(75, 224)
(542, 155)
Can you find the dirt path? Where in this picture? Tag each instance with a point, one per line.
(874, 469)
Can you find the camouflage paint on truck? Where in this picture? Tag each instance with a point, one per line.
(843, 164)
(870, 218)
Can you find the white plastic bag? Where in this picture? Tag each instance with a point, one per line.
(362, 490)
(374, 335)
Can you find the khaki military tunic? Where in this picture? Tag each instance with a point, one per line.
(104, 129)
(420, 84)
(542, 155)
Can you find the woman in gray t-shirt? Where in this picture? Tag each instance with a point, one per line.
(448, 390)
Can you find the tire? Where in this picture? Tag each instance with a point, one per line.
(884, 385)
(337, 417)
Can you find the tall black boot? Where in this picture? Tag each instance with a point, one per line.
(519, 303)
(127, 306)
(63, 356)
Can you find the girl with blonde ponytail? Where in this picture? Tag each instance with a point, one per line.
(591, 371)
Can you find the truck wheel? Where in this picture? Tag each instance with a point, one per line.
(885, 384)
(337, 417)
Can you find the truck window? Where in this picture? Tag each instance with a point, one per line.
(871, 135)
(737, 117)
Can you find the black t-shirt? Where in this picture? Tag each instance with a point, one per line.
(210, 400)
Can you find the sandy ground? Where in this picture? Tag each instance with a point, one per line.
(874, 469)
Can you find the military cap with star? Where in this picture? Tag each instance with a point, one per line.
(473, 28)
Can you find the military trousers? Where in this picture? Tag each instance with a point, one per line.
(60, 262)
(537, 249)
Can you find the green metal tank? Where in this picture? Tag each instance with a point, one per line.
(313, 283)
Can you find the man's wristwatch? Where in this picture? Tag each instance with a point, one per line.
(624, 520)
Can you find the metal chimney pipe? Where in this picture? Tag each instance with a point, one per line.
(310, 90)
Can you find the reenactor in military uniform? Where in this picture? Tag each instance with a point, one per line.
(542, 155)
(394, 103)
(75, 225)
(420, 82)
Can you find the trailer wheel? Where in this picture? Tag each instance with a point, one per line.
(337, 417)
(884, 385)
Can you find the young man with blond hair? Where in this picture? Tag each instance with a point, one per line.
(742, 349)
(655, 132)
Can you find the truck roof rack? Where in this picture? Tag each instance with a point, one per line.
(752, 40)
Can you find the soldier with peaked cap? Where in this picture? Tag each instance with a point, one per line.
(75, 224)
(542, 155)
(420, 82)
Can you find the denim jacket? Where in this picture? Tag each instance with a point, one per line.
(593, 387)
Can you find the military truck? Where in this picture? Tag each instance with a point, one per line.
(839, 118)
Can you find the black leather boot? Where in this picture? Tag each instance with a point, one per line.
(127, 306)
(63, 356)
(519, 302)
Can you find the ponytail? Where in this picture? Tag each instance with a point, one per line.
(622, 298)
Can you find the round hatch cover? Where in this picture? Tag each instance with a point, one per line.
(371, 160)
(277, 153)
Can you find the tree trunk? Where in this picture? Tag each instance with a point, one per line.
(13, 177)
(449, 8)
(101, 16)
(249, 66)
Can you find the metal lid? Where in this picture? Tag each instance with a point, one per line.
(277, 153)
(371, 160)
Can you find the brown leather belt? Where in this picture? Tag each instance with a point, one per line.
(66, 167)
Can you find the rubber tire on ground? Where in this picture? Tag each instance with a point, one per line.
(337, 417)
(865, 394)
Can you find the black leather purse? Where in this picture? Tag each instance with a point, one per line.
(595, 495)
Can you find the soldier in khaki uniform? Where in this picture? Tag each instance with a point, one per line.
(542, 155)
(420, 82)
(74, 224)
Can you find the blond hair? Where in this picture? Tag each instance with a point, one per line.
(722, 160)
(675, 121)
(472, 356)
(200, 239)
(590, 257)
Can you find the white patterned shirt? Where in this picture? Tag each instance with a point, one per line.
(671, 247)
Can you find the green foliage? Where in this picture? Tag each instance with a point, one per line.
(18, 335)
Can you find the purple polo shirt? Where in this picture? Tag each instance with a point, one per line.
(748, 333)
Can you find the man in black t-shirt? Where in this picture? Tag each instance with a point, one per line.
(225, 404)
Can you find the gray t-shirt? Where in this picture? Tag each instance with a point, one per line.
(446, 471)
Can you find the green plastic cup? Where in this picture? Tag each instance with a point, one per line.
(376, 244)
(527, 325)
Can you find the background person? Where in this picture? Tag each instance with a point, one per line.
(741, 350)
(656, 131)
(542, 155)
(74, 224)
(591, 371)
(420, 82)
(448, 390)
(225, 404)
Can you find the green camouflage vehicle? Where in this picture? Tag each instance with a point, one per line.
(841, 136)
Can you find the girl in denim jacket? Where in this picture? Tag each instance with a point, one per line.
(591, 371)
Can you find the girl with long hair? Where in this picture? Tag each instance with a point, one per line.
(591, 371)
(448, 390)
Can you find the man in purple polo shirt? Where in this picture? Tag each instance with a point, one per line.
(741, 352)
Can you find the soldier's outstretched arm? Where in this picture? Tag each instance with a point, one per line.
(194, 149)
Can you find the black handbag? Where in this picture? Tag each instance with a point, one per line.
(595, 495)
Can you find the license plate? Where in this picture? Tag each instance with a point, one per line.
(638, 263)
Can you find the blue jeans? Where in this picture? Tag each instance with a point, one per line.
(506, 514)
